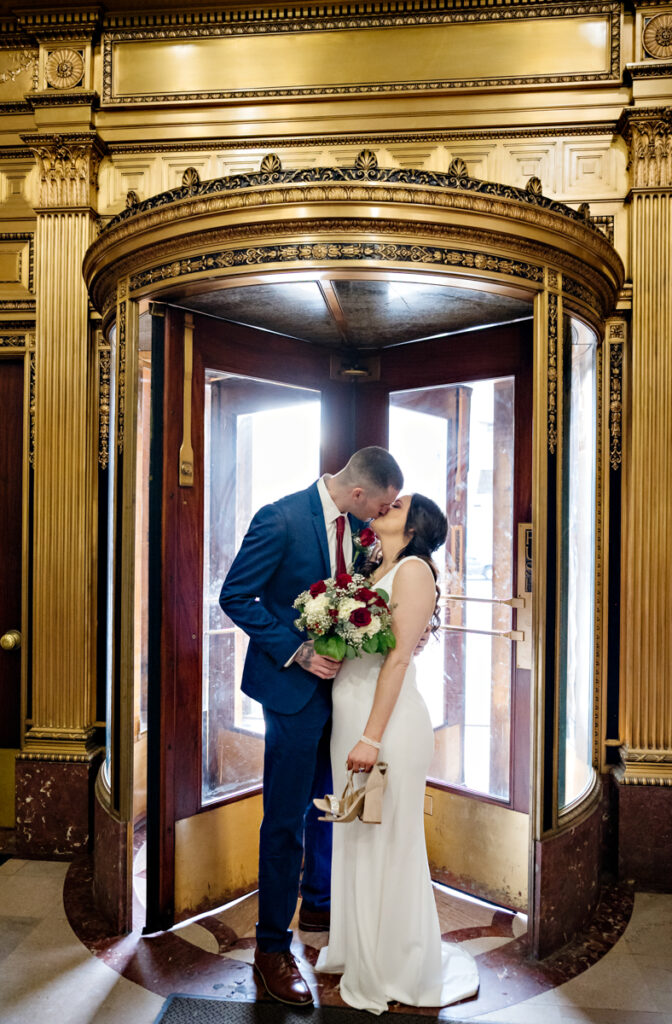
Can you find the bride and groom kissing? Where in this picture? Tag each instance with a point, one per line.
(373, 892)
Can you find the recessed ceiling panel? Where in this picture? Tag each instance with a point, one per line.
(296, 308)
(382, 313)
(360, 312)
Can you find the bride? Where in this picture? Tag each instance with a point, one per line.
(385, 938)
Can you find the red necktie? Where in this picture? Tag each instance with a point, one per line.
(340, 557)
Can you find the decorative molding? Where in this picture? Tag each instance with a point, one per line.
(648, 69)
(644, 767)
(260, 255)
(121, 370)
(605, 223)
(24, 236)
(31, 446)
(104, 368)
(64, 68)
(270, 164)
(18, 305)
(103, 285)
(392, 14)
(601, 555)
(552, 373)
(53, 98)
(615, 393)
(577, 290)
(14, 341)
(25, 60)
(354, 176)
(56, 23)
(603, 128)
(191, 179)
(648, 134)
(14, 107)
(657, 36)
(17, 325)
(68, 167)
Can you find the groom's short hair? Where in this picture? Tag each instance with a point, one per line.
(374, 467)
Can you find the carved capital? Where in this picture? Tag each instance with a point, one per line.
(648, 134)
(68, 166)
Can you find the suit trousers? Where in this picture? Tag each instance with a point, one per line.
(297, 767)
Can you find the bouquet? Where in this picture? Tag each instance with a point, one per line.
(345, 617)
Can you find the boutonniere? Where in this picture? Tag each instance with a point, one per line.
(363, 540)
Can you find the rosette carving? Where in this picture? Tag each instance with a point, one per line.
(64, 69)
(657, 36)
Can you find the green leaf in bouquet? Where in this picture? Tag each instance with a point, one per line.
(383, 593)
(388, 638)
(371, 645)
(331, 647)
(350, 652)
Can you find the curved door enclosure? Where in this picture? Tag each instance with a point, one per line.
(253, 440)
(456, 321)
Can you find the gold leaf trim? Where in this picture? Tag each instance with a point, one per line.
(615, 402)
(552, 373)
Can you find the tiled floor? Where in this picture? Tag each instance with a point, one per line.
(48, 973)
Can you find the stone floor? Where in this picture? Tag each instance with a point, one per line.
(57, 964)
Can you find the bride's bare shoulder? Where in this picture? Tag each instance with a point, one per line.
(414, 571)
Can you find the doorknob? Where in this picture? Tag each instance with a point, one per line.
(11, 640)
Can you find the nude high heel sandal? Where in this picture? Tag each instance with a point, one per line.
(365, 802)
(372, 809)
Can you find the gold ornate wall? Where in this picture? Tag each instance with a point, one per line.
(102, 107)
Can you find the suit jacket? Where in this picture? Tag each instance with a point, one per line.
(284, 550)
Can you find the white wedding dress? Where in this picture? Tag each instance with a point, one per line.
(385, 938)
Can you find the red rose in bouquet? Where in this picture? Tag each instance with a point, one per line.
(360, 617)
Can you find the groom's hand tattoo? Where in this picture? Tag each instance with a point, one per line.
(305, 655)
(316, 664)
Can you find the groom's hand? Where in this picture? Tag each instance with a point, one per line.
(325, 668)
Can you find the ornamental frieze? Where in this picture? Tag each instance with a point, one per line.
(253, 256)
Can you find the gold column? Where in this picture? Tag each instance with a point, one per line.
(646, 589)
(61, 725)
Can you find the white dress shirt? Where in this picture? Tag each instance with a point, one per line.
(331, 514)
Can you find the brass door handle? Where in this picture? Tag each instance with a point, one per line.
(11, 640)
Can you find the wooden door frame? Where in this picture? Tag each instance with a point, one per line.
(176, 517)
(460, 358)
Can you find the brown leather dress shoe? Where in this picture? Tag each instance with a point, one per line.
(282, 978)
(314, 920)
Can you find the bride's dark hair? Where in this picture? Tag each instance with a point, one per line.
(427, 527)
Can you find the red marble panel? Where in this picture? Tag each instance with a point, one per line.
(53, 800)
(567, 883)
(112, 869)
(645, 836)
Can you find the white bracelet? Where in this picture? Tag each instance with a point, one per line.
(372, 743)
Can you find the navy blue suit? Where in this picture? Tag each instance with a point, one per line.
(283, 552)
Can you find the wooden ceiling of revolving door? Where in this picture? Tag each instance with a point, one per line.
(359, 312)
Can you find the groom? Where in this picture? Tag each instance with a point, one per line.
(290, 544)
